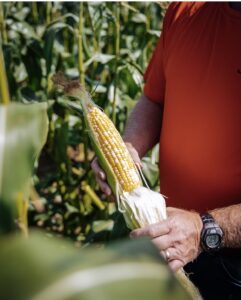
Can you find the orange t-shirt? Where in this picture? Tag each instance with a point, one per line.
(195, 73)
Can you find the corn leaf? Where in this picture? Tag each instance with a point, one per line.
(129, 270)
(23, 132)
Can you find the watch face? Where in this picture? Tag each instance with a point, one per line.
(213, 240)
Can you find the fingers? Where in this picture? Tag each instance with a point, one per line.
(97, 169)
(100, 177)
(104, 186)
(174, 260)
(152, 231)
(175, 265)
(163, 242)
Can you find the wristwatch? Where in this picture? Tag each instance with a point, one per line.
(211, 234)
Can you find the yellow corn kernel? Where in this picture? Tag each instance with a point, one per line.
(114, 150)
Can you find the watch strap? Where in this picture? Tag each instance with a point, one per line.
(207, 218)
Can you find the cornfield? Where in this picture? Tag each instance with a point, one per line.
(47, 143)
(107, 47)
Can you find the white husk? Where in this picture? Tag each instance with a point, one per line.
(143, 207)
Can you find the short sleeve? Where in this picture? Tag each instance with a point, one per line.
(154, 77)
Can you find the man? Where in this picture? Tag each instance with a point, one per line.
(192, 106)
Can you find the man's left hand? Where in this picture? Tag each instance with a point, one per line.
(178, 236)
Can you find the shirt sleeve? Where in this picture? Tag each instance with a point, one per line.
(154, 77)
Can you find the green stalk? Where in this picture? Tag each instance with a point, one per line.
(82, 73)
(3, 25)
(95, 43)
(4, 92)
(48, 13)
(35, 11)
(66, 40)
(147, 13)
(117, 54)
(80, 44)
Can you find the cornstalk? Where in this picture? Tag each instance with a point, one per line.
(4, 92)
(48, 21)
(147, 13)
(35, 11)
(117, 54)
(80, 43)
(48, 12)
(66, 40)
(95, 43)
(82, 72)
(3, 25)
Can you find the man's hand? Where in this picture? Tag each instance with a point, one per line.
(178, 235)
(100, 174)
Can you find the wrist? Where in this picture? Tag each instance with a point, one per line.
(199, 226)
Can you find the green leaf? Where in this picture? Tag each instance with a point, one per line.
(49, 38)
(24, 29)
(128, 270)
(101, 58)
(23, 132)
(150, 171)
(139, 18)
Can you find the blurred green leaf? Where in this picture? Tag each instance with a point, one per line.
(129, 270)
(23, 132)
(150, 171)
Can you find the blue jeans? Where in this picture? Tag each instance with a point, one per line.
(218, 276)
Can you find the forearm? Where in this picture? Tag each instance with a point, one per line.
(229, 219)
(143, 126)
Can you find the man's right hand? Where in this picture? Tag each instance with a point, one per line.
(100, 174)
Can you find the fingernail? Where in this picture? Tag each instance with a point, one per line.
(108, 192)
(102, 175)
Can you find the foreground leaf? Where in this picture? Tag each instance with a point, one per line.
(129, 270)
(23, 132)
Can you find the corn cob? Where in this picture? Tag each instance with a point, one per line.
(114, 150)
(106, 138)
